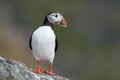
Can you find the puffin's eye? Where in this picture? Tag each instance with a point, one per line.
(56, 16)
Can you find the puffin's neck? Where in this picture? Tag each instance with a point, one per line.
(47, 23)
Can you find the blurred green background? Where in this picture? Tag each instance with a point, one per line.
(89, 48)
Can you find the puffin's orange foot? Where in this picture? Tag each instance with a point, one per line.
(39, 70)
(51, 73)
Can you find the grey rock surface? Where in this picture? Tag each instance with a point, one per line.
(14, 70)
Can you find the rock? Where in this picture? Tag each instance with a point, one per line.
(13, 70)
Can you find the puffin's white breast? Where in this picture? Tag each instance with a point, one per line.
(43, 43)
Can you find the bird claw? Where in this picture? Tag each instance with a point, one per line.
(50, 73)
(39, 70)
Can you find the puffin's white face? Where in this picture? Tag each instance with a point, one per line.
(57, 18)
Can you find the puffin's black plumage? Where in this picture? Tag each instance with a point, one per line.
(30, 45)
(56, 44)
(47, 23)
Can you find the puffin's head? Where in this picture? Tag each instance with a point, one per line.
(56, 19)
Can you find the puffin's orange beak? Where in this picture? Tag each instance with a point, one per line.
(63, 23)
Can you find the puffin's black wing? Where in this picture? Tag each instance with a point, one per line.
(30, 45)
(56, 44)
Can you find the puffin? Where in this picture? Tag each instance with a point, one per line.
(43, 41)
